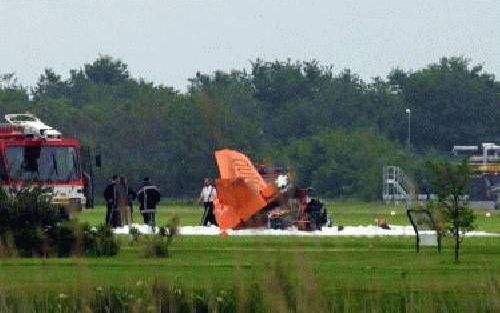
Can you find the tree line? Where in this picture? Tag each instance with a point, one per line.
(331, 129)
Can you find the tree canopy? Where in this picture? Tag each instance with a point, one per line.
(332, 129)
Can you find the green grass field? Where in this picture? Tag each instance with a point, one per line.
(356, 264)
(371, 263)
(344, 213)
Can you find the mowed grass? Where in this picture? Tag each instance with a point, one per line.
(355, 264)
(365, 263)
(347, 213)
(364, 213)
(188, 214)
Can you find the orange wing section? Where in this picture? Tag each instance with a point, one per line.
(241, 191)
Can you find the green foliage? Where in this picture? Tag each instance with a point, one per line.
(143, 129)
(452, 103)
(99, 242)
(31, 226)
(157, 245)
(63, 238)
(451, 184)
(341, 163)
(32, 222)
(278, 288)
(135, 233)
(106, 70)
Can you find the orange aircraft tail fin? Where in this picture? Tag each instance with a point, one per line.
(241, 191)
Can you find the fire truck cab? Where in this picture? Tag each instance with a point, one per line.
(32, 152)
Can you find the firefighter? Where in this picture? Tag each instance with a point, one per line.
(207, 197)
(148, 196)
(111, 202)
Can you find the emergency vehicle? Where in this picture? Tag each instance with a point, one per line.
(484, 161)
(33, 153)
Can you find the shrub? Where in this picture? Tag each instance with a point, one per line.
(99, 241)
(31, 221)
(63, 238)
(157, 245)
(31, 225)
(135, 233)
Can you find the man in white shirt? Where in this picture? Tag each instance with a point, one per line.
(207, 196)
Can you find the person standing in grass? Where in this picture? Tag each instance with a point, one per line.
(148, 197)
(207, 196)
(130, 195)
(110, 196)
(123, 202)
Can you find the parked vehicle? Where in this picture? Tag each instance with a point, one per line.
(35, 154)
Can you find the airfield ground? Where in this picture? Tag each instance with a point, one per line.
(368, 265)
(345, 213)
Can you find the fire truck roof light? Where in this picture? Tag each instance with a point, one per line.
(32, 126)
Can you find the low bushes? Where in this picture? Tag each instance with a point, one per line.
(30, 226)
(156, 246)
(99, 241)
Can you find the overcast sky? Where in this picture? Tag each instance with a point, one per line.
(168, 41)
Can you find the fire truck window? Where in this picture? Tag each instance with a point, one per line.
(58, 163)
(15, 158)
(42, 163)
(31, 156)
(22, 162)
(3, 173)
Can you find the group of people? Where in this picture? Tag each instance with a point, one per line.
(120, 197)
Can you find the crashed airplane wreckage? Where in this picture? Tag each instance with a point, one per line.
(251, 198)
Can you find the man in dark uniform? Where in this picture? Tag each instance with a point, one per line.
(148, 197)
(111, 202)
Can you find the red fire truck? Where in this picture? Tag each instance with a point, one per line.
(32, 152)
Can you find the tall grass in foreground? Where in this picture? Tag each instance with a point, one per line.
(161, 297)
(286, 286)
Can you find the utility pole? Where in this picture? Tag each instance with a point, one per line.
(408, 111)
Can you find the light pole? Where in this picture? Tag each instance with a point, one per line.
(408, 111)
